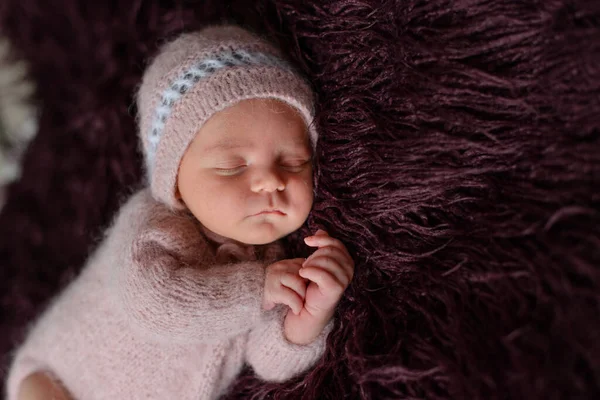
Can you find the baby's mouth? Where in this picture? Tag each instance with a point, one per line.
(270, 212)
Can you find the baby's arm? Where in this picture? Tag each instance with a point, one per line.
(270, 350)
(329, 270)
(273, 357)
(169, 295)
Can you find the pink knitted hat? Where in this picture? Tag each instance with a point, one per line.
(197, 75)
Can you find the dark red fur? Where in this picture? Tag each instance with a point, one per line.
(459, 160)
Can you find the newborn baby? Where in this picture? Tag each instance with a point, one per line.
(190, 281)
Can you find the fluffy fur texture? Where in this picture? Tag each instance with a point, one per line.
(459, 160)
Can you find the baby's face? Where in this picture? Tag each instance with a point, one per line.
(247, 175)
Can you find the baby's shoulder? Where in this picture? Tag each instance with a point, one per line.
(145, 219)
(141, 205)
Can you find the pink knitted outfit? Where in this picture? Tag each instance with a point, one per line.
(163, 310)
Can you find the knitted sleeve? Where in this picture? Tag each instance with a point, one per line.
(272, 357)
(167, 285)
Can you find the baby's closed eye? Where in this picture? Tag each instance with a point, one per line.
(229, 166)
(295, 165)
(230, 170)
(233, 168)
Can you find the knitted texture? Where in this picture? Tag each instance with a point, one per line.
(163, 311)
(458, 160)
(201, 73)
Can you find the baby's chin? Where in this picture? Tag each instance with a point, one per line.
(262, 237)
(263, 233)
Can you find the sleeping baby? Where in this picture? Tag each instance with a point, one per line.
(190, 281)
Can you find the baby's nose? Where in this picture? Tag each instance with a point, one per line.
(267, 180)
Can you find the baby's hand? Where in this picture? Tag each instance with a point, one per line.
(329, 270)
(283, 285)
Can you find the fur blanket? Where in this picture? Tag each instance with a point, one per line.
(459, 160)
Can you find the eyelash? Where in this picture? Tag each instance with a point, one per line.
(228, 171)
(296, 167)
(233, 171)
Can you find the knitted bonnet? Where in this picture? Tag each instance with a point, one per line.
(197, 75)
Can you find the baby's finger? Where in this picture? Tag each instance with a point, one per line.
(296, 261)
(322, 240)
(326, 282)
(290, 298)
(296, 283)
(296, 264)
(288, 265)
(340, 256)
(330, 265)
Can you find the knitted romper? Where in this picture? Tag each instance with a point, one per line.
(163, 310)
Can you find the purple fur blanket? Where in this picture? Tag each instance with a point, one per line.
(459, 160)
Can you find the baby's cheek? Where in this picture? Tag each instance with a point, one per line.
(217, 198)
(301, 192)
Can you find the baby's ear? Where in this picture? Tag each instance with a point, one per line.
(177, 193)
